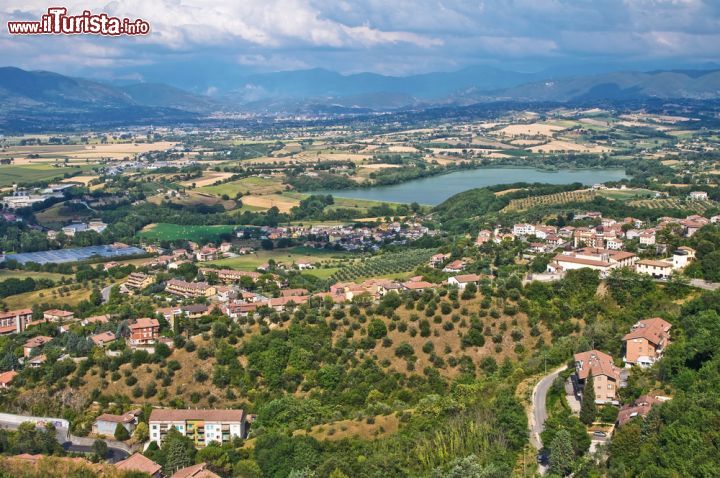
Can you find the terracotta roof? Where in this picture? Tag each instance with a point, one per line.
(418, 285)
(467, 278)
(580, 260)
(102, 337)
(143, 323)
(650, 262)
(14, 313)
(7, 377)
(138, 462)
(176, 415)
(195, 471)
(103, 319)
(654, 330)
(640, 408)
(597, 363)
(58, 312)
(109, 417)
(37, 341)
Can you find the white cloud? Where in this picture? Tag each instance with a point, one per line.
(398, 36)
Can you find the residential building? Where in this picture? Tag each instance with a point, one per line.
(646, 342)
(647, 237)
(139, 463)
(106, 423)
(144, 331)
(654, 268)
(203, 426)
(190, 289)
(138, 281)
(523, 229)
(606, 376)
(103, 338)
(96, 319)
(483, 236)
(57, 315)
(438, 259)
(195, 471)
(639, 408)
(417, 285)
(682, 256)
(461, 281)
(230, 275)
(37, 361)
(454, 266)
(207, 254)
(6, 378)
(603, 260)
(14, 321)
(698, 196)
(35, 343)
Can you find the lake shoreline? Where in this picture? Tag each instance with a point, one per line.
(432, 190)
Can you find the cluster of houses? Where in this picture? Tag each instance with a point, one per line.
(347, 237)
(603, 247)
(644, 345)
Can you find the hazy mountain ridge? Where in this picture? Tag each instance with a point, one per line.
(25, 94)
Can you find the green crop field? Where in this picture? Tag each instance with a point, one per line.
(10, 174)
(250, 262)
(253, 185)
(171, 232)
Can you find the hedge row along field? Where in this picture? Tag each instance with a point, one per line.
(384, 264)
(549, 200)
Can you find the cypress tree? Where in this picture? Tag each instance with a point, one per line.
(588, 409)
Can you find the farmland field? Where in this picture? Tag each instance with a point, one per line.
(10, 174)
(250, 262)
(19, 274)
(384, 264)
(171, 232)
(523, 204)
(674, 203)
(254, 184)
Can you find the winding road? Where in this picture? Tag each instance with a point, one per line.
(538, 410)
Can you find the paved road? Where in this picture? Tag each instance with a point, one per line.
(701, 284)
(538, 411)
(106, 293)
(113, 455)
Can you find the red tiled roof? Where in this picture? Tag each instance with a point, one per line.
(654, 330)
(597, 363)
(175, 415)
(138, 462)
(6, 378)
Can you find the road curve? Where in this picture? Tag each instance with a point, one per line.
(538, 411)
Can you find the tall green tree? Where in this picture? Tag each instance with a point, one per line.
(178, 450)
(562, 457)
(588, 409)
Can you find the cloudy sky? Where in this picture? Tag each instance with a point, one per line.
(395, 37)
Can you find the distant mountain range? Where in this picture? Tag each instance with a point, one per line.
(36, 94)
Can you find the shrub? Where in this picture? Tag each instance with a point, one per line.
(121, 433)
(404, 350)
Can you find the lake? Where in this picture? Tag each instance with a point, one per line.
(435, 189)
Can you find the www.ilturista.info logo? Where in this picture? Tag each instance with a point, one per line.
(58, 22)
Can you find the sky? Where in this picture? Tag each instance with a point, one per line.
(393, 37)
